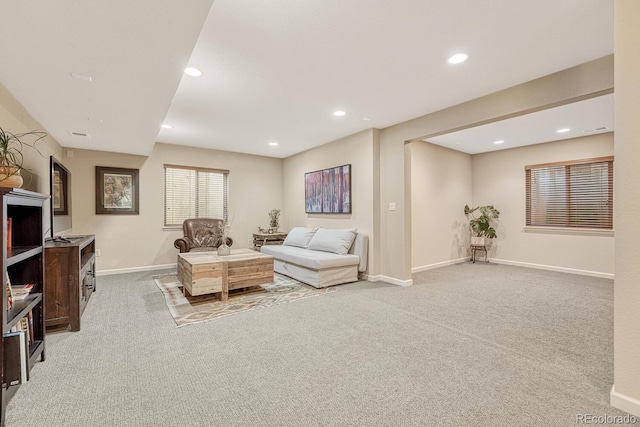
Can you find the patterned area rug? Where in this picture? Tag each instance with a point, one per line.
(191, 310)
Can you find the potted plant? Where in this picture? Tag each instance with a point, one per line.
(274, 222)
(11, 158)
(480, 219)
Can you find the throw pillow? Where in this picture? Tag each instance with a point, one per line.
(335, 240)
(299, 236)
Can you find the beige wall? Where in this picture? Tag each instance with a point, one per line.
(440, 187)
(499, 180)
(357, 150)
(581, 82)
(15, 119)
(626, 393)
(134, 241)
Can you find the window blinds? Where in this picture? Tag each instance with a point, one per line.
(571, 194)
(194, 193)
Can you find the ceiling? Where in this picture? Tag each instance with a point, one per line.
(589, 117)
(276, 71)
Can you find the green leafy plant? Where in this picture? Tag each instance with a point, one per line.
(11, 146)
(274, 215)
(480, 219)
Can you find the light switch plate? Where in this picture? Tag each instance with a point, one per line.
(392, 206)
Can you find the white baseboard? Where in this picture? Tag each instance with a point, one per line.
(624, 402)
(135, 269)
(387, 279)
(554, 268)
(438, 265)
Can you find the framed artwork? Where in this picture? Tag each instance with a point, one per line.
(60, 191)
(117, 191)
(328, 190)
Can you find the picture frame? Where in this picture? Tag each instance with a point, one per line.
(328, 190)
(117, 191)
(60, 190)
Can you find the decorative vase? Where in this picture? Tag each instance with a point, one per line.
(223, 249)
(10, 177)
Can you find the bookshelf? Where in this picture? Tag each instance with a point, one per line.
(23, 331)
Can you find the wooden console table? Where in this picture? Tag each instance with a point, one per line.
(261, 239)
(70, 278)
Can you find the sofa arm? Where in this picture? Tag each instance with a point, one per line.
(182, 245)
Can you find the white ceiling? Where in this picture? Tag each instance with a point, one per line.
(276, 70)
(583, 118)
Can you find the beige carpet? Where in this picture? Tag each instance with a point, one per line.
(191, 310)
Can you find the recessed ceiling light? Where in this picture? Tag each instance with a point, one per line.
(457, 58)
(339, 113)
(563, 130)
(82, 77)
(273, 144)
(166, 127)
(193, 72)
(498, 142)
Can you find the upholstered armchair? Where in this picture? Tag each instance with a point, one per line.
(201, 234)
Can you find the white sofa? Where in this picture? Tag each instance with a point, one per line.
(321, 257)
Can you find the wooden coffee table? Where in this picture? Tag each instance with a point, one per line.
(204, 273)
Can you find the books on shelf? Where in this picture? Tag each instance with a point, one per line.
(9, 242)
(21, 292)
(9, 294)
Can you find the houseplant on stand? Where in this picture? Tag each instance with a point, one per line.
(11, 158)
(274, 220)
(480, 219)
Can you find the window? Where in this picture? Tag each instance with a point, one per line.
(576, 194)
(194, 193)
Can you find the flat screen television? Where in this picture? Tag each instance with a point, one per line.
(60, 188)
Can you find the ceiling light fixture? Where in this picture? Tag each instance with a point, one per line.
(563, 130)
(82, 77)
(273, 144)
(498, 142)
(166, 127)
(339, 113)
(366, 119)
(193, 72)
(457, 58)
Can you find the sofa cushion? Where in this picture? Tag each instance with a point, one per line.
(299, 236)
(335, 240)
(316, 260)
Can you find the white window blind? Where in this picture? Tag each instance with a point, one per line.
(194, 193)
(575, 194)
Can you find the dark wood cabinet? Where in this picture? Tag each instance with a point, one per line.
(70, 276)
(22, 248)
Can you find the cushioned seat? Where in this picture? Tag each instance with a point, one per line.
(315, 260)
(201, 234)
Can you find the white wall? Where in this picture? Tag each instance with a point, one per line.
(135, 241)
(499, 180)
(440, 188)
(626, 392)
(15, 119)
(357, 150)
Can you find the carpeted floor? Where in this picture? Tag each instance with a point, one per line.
(192, 310)
(466, 345)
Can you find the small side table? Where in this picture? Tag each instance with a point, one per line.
(476, 248)
(261, 239)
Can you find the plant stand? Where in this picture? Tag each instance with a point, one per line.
(475, 248)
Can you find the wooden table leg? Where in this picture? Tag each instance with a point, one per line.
(225, 282)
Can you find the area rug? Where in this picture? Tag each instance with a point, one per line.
(191, 310)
